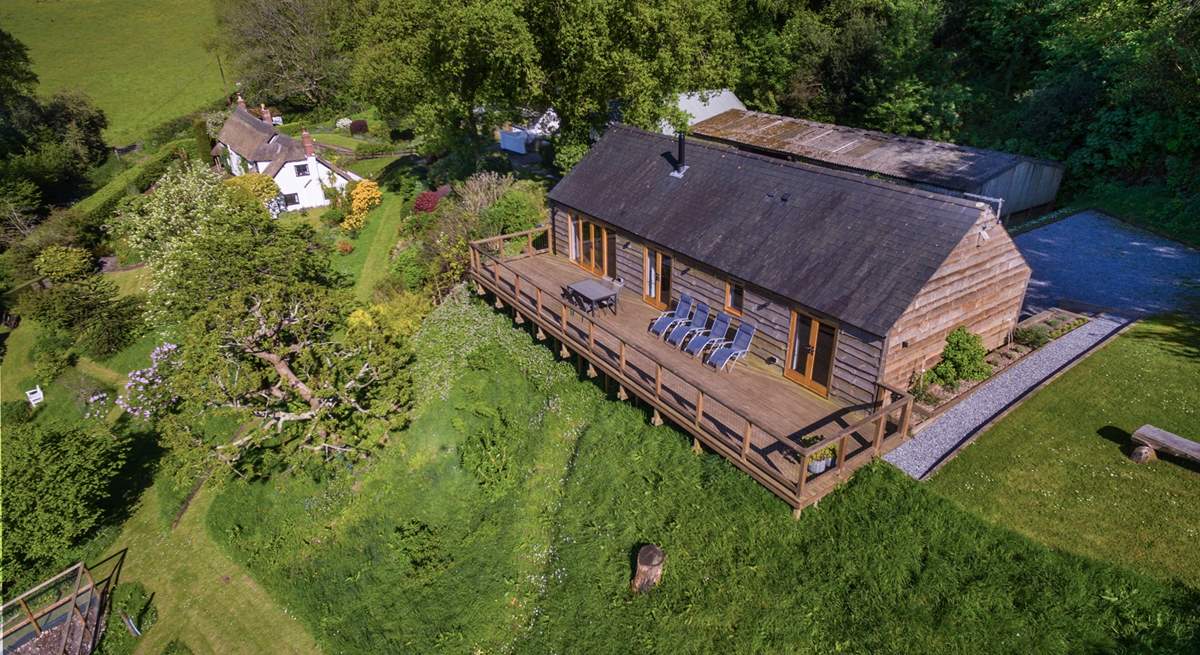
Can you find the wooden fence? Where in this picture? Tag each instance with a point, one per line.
(714, 420)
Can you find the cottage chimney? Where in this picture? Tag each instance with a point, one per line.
(307, 140)
(241, 101)
(680, 166)
(266, 113)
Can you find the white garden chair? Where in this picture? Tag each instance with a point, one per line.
(35, 396)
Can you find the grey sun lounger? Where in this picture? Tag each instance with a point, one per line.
(729, 352)
(667, 320)
(701, 340)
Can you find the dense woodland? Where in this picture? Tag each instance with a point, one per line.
(1109, 87)
(286, 364)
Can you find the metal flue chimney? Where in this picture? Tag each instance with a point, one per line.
(680, 166)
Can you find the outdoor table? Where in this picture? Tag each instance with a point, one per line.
(595, 293)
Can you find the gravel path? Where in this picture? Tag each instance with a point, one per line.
(961, 423)
(1103, 262)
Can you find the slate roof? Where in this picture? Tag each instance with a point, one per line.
(936, 163)
(850, 247)
(254, 140)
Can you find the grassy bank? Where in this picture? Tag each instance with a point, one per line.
(419, 552)
(142, 63)
(1056, 468)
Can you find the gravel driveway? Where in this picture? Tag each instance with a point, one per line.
(1094, 259)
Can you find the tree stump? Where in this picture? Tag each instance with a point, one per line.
(1143, 454)
(650, 560)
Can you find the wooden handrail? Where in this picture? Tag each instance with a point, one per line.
(884, 391)
(591, 324)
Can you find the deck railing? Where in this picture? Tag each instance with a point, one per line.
(714, 420)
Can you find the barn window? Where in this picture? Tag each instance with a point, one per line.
(301, 170)
(290, 199)
(735, 297)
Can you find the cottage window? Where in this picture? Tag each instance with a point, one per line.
(290, 199)
(301, 170)
(735, 297)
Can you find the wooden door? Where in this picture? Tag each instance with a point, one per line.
(811, 345)
(589, 246)
(656, 278)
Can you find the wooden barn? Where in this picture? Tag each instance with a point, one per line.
(852, 284)
(1026, 186)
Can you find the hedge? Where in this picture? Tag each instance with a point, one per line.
(99, 206)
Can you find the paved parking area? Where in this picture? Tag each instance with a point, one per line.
(1100, 261)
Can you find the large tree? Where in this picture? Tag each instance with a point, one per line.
(285, 50)
(57, 480)
(457, 68)
(203, 239)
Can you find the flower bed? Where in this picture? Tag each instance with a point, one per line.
(1029, 335)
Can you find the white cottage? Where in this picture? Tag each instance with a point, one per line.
(250, 144)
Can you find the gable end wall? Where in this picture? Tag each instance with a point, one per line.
(981, 285)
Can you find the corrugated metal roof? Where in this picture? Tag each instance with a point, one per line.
(936, 163)
(850, 247)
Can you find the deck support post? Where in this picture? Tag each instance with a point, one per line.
(906, 419)
(479, 291)
(563, 352)
(656, 420)
(517, 318)
(746, 440)
(562, 317)
(696, 447)
(796, 513)
(499, 305)
(591, 370)
(540, 336)
(621, 395)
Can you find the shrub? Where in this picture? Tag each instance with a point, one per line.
(426, 202)
(1033, 337)
(132, 599)
(116, 326)
(518, 209)
(364, 197)
(333, 216)
(409, 265)
(100, 206)
(63, 263)
(15, 412)
(358, 126)
(345, 247)
(52, 355)
(370, 148)
(256, 185)
(962, 359)
(482, 190)
(919, 388)
(354, 222)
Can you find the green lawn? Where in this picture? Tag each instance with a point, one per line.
(131, 281)
(203, 598)
(506, 519)
(333, 139)
(142, 62)
(373, 166)
(1056, 468)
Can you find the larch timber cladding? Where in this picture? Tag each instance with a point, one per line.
(980, 285)
(856, 363)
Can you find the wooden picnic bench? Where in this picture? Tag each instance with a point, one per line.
(1152, 439)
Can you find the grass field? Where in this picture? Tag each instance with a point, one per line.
(530, 548)
(1056, 468)
(203, 598)
(142, 62)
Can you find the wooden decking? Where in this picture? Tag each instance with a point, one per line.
(763, 423)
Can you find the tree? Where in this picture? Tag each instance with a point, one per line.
(57, 480)
(185, 198)
(19, 203)
(90, 309)
(426, 60)
(257, 185)
(287, 50)
(287, 355)
(63, 264)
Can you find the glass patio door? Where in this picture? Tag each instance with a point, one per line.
(589, 245)
(656, 279)
(811, 344)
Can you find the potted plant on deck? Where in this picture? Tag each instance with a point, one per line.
(822, 459)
